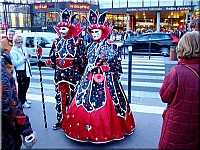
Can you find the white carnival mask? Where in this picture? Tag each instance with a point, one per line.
(64, 30)
(96, 34)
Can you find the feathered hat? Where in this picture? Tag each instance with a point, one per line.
(97, 21)
(67, 20)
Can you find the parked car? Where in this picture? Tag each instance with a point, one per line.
(154, 42)
(44, 39)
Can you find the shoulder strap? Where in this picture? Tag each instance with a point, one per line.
(192, 71)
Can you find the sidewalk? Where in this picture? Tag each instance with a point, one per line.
(145, 136)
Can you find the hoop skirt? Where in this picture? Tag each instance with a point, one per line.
(99, 112)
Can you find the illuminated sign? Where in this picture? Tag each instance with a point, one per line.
(159, 8)
(79, 6)
(43, 6)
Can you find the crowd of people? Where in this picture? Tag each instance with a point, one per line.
(90, 100)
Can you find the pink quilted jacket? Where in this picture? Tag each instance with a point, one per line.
(181, 119)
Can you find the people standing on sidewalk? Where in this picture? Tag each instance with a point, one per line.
(100, 111)
(6, 45)
(66, 55)
(14, 122)
(20, 61)
(194, 25)
(180, 90)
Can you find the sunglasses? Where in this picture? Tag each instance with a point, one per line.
(19, 42)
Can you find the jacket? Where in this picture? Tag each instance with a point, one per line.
(181, 119)
(14, 121)
(6, 46)
(17, 58)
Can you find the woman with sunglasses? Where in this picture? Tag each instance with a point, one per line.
(20, 61)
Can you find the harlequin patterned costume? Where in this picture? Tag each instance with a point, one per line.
(99, 112)
(66, 56)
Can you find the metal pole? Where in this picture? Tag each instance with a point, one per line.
(129, 72)
(149, 48)
(124, 49)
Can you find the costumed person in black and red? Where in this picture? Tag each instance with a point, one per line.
(67, 54)
(100, 111)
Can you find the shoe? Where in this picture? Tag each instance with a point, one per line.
(28, 102)
(26, 105)
(57, 126)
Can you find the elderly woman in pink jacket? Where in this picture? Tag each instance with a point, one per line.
(180, 90)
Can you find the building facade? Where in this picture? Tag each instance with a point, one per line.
(42, 15)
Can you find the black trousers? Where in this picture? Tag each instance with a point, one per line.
(23, 85)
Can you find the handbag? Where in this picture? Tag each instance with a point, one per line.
(98, 78)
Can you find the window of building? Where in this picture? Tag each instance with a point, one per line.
(51, 18)
(154, 3)
(147, 3)
(123, 3)
(116, 4)
(179, 2)
(166, 2)
(187, 2)
(105, 4)
(134, 4)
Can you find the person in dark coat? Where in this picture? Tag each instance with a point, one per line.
(180, 90)
(15, 123)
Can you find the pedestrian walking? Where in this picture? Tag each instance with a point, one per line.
(14, 122)
(67, 54)
(100, 111)
(7, 44)
(20, 60)
(180, 90)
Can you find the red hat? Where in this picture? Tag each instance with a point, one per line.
(68, 21)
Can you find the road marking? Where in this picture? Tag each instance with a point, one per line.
(124, 76)
(134, 107)
(143, 94)
(144, 67)
(145, 71)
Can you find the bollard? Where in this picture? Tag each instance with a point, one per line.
(149, 48)
(124, 50)
(129, 72)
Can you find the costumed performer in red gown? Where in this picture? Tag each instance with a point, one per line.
(99, 112)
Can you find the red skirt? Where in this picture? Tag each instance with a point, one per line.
(99, 126)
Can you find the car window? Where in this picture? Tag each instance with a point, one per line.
(43, 42)
(165, 36)
(29, 42)
(160, 36)
(143, 38)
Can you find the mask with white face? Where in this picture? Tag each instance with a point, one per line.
(64, 30)
(96, 34)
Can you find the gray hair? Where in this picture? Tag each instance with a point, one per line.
(16, 38)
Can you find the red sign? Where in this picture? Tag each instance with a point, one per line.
(79, 6)
(4, 25)
(44, 6)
